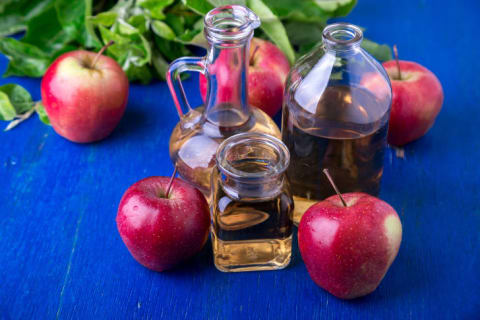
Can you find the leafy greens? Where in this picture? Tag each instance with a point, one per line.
(149, 34)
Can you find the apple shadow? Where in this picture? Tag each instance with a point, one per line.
(196, 265)
(404, 278)
(296, 257)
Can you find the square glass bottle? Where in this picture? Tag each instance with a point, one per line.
(251, 204)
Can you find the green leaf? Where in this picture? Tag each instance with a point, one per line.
(150, 4)
(7, 110)
(11, 24)
(219, 3)
(71, 15)
(337, 8)
(273, 28)
(294, 10)
(82, 25)
(161, 66)
(132, 51)
(139, 22)
(381, 52)
(162, 29)
(123, 27)
(313, 11)
(25, 59)
(193, 37)
(46, 33)
(19, 97)
(90, 37)
(14, 14)
(175, 22)
(14, 101)
(304, 49)
(137, 73)
(302, 33)
(155, 7)
(188, 36)
(104, 18)
(42, 114)
(170, 49)
(198, 6)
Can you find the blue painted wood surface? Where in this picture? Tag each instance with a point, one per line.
(61, 256)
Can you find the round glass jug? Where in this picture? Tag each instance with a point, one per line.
(195, 139)
(335, 115)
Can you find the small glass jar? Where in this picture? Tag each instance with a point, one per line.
(251, 204)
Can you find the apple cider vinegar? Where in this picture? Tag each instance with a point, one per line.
(335, 116)
(251, 205)
(195, 139)
(353, 154)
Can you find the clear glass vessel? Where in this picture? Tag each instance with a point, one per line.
(251, 205)
(335, 115)
(195, 139)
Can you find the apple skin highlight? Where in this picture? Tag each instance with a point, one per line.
(348, 250)
(161, 232)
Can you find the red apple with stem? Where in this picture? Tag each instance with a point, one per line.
(163, 221)
(85, 95)
(348, 242)
(267, 70)
(417, 100)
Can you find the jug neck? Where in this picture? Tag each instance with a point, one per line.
(228, 30)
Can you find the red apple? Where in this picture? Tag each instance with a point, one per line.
(161, 231)
(267, 70)
(348, 250)
(417, 100)
(84, 102)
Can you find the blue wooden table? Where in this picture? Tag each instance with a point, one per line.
(61, 255)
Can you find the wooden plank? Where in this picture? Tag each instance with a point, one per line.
(61, 256)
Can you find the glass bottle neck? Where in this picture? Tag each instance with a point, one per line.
(226, 103)
(228, 30)
(342, 36)
(251, 165)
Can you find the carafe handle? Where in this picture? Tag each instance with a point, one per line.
(175, 84)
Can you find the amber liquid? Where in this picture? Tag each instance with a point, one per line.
(251, 234)
(195, 139)
(344, 138)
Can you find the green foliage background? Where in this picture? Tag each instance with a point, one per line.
(149, 34)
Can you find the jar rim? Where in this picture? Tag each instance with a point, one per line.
(250, 138)
(342, 34)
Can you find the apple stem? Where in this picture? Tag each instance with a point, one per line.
(95, 60)
(169, 186)
(395, 52)
(250, 62)
(334, 186)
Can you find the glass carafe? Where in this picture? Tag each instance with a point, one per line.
(335, 115)
(195, 139)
